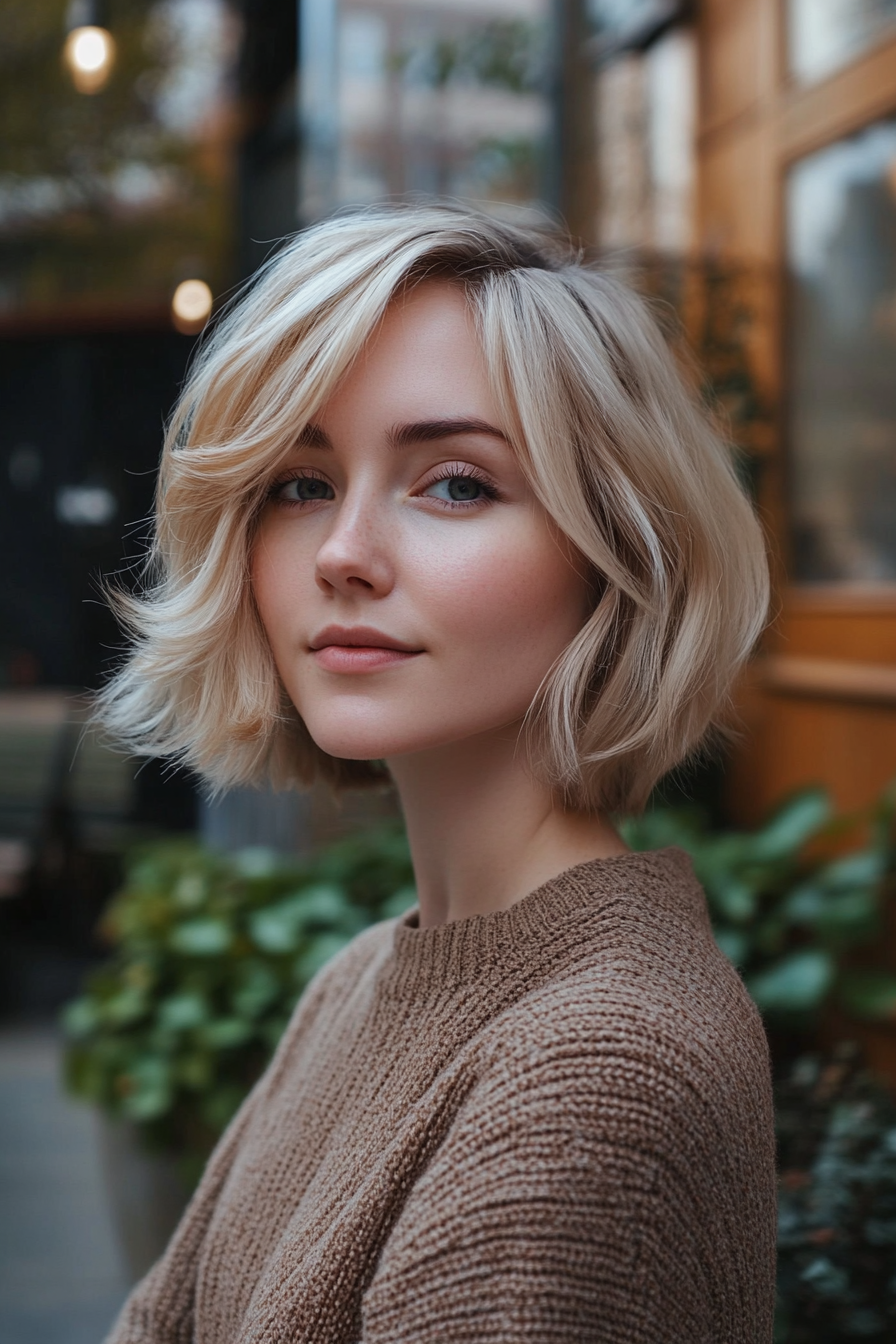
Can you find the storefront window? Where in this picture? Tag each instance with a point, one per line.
(842, 253)
(824, 35)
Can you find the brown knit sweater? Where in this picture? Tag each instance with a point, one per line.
(550, 1123)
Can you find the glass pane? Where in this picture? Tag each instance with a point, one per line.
(826, 34)
(842, 253)
(402, 97)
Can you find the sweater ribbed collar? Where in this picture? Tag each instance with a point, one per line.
(544, 926)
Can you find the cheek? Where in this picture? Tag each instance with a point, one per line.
(275, 574)
(522, 598)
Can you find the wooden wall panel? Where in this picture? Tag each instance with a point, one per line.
(732, 69)
(861, 92)
(794, 741)
(857, 636)
(736, 194)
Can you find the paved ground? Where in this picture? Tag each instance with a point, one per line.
(61, 1280)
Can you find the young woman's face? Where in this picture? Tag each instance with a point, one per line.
(413, 589)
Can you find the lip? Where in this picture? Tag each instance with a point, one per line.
(358, 648)
(358, 637)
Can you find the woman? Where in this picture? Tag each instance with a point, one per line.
(436, 496)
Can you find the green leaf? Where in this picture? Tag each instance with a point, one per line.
(869, 994)
(79, 1018)
(832, 912)
(259, 989)
(881, 1231)
(148, 1092)
(734, 943)
(219, 1106)
(398, 903)
(226, 1033)
(321, 950)
(190, 890)
(804, 904)
(798, 982)
(202, 937)
(324, 907)
(181, 1012)
(792, 825)
(854, 870)
(661, 827)
(257, 861)
(849, 917)
(125, 1007)
(828, 1280)
(735, 900)
(196, 1070)
(275, 930)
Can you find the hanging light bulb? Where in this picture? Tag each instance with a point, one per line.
(190, 306)
(89, 50)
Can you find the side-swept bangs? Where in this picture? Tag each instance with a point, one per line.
(614, 444)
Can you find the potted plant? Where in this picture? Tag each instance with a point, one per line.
(209, 955)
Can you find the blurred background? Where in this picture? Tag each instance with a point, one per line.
(736, 160)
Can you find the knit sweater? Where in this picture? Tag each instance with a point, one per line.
(551, 1123)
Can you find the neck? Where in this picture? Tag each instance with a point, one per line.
(483, 832)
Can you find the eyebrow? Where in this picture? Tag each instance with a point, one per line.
(418, 431)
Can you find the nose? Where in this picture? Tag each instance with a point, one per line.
(356, 557)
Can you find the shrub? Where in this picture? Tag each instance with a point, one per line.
(837, 1205)
(211, 952)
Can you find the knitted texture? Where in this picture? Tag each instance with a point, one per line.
(550, 1123)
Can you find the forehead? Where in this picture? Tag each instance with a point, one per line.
(424, 359)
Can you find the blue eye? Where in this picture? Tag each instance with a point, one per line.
(461, 488)
(458, 489)
(304, 490)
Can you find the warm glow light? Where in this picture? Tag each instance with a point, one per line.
(89, 53)
(191, 305)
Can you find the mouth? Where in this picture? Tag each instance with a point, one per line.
(359, 649)
(358, 637)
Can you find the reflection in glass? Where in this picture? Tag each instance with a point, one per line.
(842, 254)
(646, 126)
(826, 34)
(410, 97)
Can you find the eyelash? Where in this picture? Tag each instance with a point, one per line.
(449, 471)
(277, 485)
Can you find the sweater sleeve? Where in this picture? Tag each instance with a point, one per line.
(591, 1192)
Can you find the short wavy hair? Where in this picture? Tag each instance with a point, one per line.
(613, 441)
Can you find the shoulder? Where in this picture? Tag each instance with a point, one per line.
(649, 961)
(648, 1008)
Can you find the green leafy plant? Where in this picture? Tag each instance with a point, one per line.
(785, 912)
(210, 955)
(836, 1204)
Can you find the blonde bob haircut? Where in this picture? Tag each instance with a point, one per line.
(614, 444)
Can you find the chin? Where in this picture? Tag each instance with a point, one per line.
(377, 741)
(362, 742)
